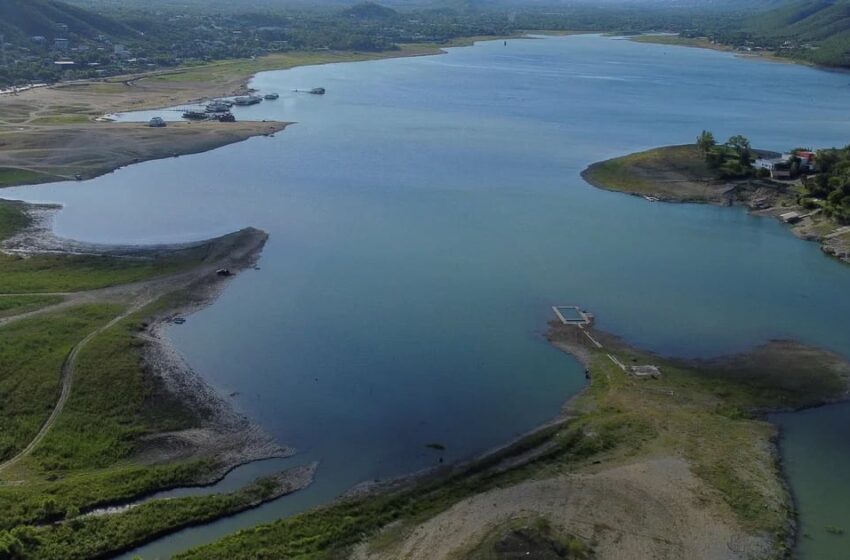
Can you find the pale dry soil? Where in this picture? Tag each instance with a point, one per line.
(66, 152)
(57, 133)
(649, 509)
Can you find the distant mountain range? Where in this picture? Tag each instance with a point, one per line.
(806, 20)
(818, 30)
(21, 19)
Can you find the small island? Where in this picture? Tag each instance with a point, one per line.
(809, 190)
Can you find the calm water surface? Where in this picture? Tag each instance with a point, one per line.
(426, 212)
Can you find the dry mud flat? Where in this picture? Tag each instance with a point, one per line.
(679, 465)
(649, 509)
(58, 153)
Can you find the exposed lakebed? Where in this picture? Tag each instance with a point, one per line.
(425, 214)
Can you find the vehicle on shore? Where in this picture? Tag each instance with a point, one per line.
(157, 122)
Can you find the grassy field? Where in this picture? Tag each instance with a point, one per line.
(98, 450)
(702, 412)
(32, 352)
(60, 119)
(114, 403)
(15, 305)
(64, 273)
(679, 41)
(10, 176)
(227, 70)
(85, 538)
(59, 273)
(674, 172)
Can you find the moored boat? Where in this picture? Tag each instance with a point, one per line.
(247, 100)
(193, 115)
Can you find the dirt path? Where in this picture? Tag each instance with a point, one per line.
(67, 380)
(233, 251)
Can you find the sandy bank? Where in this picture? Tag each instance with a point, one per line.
(56, 153)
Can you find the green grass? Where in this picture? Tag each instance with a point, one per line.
(650, 172)
(60, 119)
(115, 402)
(62, 273)
(84, 538)
(675, 40)
(230, 69)
(32, 352)
(69, 273)
(12, 176)
(16, 305)
(42, 501)
(12, 218)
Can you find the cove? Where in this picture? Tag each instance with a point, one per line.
(425, 214)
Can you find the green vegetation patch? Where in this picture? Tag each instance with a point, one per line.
(652, 171)
(12, 176)
(32, 352)
(115, 402)
(60, 119)
(16, 305)
(675, 40)
(13, 218)
(83, 538)
(830, 188)
(44, 501)
(69, 273)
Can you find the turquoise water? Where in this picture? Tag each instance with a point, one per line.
(426, 213)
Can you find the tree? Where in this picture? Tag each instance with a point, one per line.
(705, 141)
(741, 146)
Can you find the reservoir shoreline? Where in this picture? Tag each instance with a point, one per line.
(581, 298)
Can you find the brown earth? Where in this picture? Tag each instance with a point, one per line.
(88, 150)
(56, 133)
(650, 509)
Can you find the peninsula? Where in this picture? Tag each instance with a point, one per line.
(59, 133)
(812, 201)
(662, 457)
(106, 412)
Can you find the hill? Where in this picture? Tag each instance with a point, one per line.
(815, 30)
(370, 10)
(21, 19)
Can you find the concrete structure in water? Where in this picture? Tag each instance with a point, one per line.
(572, 315)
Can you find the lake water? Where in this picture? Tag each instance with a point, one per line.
(426, 213)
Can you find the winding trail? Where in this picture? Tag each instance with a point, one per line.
(228, 251)
(67, 380)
